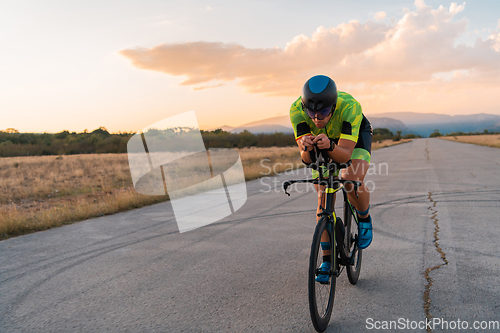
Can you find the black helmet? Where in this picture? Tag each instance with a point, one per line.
(319, 93)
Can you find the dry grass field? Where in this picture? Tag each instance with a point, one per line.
(42, 192)
(490, 140)
(387, 143)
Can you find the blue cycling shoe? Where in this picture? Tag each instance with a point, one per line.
(365, 235)
(324, 278)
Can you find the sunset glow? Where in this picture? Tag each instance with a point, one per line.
(146, 63)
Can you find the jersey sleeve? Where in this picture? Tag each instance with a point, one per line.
(352, 116)
(300, 127)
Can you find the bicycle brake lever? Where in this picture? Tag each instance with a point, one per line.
(356, 186)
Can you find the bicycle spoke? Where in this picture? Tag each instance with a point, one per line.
(323, 292)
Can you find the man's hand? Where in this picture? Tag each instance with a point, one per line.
(306, 142)
(322, 141)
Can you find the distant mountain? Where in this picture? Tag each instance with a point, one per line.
(225, 128)
(412, 118)
(393, 125)
(263, 129)
(268, 125)
(407, 122)
(494, 128)
(426, 123)
(282, 124)
(281, 120)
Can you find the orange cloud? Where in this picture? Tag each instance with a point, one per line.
(379, 15)
(421, 45)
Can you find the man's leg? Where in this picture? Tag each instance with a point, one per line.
(322, 203)
(325, 240)
(357, 171)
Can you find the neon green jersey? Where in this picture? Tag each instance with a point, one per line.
(344, 124)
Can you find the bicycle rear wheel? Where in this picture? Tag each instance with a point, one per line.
(351, 244)
(321, 296)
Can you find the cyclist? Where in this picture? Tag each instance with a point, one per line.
(334, 121)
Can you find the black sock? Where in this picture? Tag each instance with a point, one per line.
(327, 258)
(365, 219)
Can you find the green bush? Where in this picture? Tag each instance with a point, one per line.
(101, 141)
(381, 134)
(435, 134)
(398, 136)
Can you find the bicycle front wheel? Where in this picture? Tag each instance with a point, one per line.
(321, 294)
(351, 242)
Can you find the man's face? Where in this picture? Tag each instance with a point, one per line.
(321, 123)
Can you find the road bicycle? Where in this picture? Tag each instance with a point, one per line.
(341, 234)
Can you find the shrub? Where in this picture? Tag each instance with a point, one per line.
(435, 134)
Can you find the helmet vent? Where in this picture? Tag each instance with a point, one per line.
(318, 83)
(319, 92)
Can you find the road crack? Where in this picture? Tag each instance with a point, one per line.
(442, 254)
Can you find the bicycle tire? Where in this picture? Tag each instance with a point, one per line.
(321, 296)
(351, 231)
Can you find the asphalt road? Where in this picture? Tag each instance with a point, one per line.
(435, 207)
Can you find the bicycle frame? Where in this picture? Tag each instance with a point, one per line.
(343, 248)
(332, 185)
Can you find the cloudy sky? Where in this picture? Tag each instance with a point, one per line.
(124, 65)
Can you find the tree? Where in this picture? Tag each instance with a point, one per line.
(382, 131)
(102, 131)
(218, 131)
(11, 130)
(435, 134)
(398, 136)
(381, 134)
(247, 139)
(62, 135)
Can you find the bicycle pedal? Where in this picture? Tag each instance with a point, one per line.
(318, 272)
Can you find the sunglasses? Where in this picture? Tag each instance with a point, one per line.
(321, 114)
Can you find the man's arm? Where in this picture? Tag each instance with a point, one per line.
(303, 135)
(306, 144)
(341, 153)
